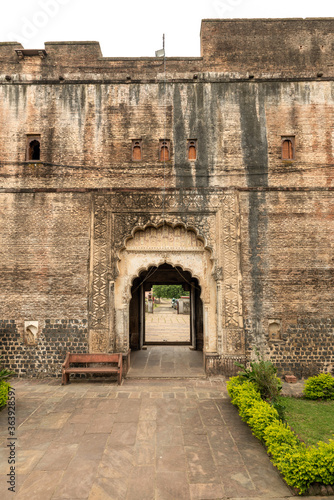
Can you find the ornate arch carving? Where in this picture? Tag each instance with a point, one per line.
(154, 245)
(213, 260)
(164, 224)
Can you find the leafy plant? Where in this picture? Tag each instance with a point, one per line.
(263, 374)
(262, 416)
(319, 387)
(244, 395)
(4, 389)
(5, 374)
(279, 438)
(4, 386)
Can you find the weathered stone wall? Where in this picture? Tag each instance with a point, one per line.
(267, 222)
(44, 256)
(86, 133)
(268, 47)
(288, 276)
(56, 338)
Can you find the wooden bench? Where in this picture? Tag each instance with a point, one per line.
(115, 365)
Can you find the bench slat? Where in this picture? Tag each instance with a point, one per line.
(87, 369)
(94, 358)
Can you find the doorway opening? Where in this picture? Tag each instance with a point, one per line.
(154, 324)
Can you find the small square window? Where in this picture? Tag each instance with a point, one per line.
(33, 149)
(288, 147)
(164, 150)
(136, 150)
(192, 149)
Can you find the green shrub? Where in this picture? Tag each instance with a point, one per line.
(263, 374)
(319, 387)
(4, 373)
(4, 386)
(262, 415)
(4, 389)
(300, 465)
(243, 395)
(279, 438)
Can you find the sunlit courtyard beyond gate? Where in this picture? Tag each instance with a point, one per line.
(166, 325)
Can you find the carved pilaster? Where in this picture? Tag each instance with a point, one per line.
(232, 315)
(98, 320)
(219, 316)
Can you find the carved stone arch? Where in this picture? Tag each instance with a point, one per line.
(172, 262)
(165, 260)
(156, 245)
(177, 246)
(167, 224)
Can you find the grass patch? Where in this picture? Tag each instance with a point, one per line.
(312, 421)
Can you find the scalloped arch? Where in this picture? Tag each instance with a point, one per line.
(184, 249)
(157, 264)
(162, 223)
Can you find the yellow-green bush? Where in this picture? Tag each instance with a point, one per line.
(319, 387)
(300, 465)
(244, 395)
(279, 437)
(262, 415)
(4, 389)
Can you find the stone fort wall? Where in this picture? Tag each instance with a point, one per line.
(239, 104)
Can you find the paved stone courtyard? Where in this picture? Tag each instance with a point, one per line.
(147, 439)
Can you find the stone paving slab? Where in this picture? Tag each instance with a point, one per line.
(166, 361)
(99, 441)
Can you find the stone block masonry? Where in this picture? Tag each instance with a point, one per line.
(56, 338)
(252, 229)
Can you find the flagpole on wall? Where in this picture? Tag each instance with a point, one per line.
(162, 53)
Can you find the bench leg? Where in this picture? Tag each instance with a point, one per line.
(65, 378)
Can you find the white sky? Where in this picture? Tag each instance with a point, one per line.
(134, 28)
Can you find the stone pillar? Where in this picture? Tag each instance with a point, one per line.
(192, 316)
(219, 317)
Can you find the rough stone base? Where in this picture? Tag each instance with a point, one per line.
(216, 364)
(46, 357)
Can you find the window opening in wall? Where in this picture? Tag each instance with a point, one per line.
(164, 150)
(288, 148)
(33, 152)
(192, 149)
(136, 149)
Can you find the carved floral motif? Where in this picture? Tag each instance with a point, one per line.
(98, 313)
(230, 261)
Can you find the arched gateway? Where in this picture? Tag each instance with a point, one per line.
(151, 249)
(122, 260)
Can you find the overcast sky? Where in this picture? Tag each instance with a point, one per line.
(134, 28)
